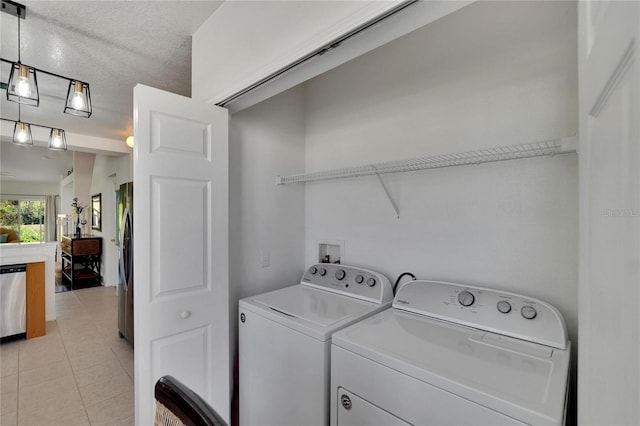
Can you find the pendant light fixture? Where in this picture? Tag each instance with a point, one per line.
(57, 140)
(23, 83)
(78, 99)
(22, 88)
(22, 134)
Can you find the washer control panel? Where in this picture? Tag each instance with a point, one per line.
(349, 280)
(496, 311)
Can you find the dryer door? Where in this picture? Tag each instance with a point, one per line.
(353, 410)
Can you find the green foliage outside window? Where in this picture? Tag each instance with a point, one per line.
(26, 217)
(9, 214)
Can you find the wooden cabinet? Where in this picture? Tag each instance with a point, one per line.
(81, 259)
(36, 325)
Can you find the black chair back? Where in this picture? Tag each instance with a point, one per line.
(178, 405)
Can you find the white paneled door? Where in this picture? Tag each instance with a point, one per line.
(609, 333)
(181, 313)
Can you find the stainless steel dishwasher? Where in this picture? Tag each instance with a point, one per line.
(13, 300)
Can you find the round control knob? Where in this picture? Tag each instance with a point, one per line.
(313, 270)
(529, 312)
(504, 306)
(346, 402)
(340, 274)
(359, 279)
(466, 298)
(371, 282)
(323, 272)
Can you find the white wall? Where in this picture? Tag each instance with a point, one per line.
(265, 140)
(488, 75)
(82, 174)
(29, 188)
(66, 197)
(108, 173)
(123, 167)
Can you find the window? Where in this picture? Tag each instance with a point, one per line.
(25, 215)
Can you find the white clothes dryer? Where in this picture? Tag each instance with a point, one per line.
(285, 342)
(450, 354)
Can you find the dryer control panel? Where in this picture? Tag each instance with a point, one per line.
(349, 280)
(496, 311)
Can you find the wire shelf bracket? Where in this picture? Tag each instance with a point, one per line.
(391, 200)
(549, 147)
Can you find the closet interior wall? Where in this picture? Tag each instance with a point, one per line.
(491, 74)
(266, 222)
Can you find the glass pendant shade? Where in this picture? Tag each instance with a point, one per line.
(78, 99)
(57, 140)
(22, 134)
(23, 85)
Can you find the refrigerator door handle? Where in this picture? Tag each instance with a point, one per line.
(124, 266)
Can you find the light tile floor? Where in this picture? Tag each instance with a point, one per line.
(80, 373)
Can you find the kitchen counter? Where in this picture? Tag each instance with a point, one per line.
(12, 253)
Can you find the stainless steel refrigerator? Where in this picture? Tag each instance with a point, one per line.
(125, 256)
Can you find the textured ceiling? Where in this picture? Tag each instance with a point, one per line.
(112, 45)
(34, 164)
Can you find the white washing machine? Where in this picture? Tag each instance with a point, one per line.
(285, 342)
(450, 354)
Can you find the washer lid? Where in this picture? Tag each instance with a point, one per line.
(315, 312)
(319, 307)
(524, 380)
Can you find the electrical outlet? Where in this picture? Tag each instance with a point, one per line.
(266, 258)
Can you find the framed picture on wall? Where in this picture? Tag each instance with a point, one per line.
(96, 212)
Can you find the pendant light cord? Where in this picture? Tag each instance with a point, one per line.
(19, 62)
(19, 14)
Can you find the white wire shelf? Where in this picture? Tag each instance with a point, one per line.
(534, 149)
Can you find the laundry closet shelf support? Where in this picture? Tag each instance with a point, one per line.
(511, 152)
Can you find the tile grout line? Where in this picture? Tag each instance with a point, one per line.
(67, 337)
(121, 364)
(111, 350)
(18, 389)
(73, 373)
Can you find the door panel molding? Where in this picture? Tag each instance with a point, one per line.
(179, 135)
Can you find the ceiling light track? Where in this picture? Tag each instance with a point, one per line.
(14, 9)
(8, 61)
(22, 86)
